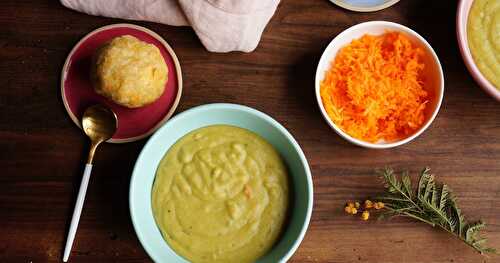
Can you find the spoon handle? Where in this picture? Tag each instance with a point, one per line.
(77, 212)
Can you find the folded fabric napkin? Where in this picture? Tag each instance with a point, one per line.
(221, 25)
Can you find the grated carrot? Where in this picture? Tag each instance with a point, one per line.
(374, 88)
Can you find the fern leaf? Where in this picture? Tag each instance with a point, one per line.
(472, 229)
(429, 187)
(457, 217)
(393, 185)
(479, 242)
(432, 203)
(393, 199)
(488, 250)
(443, 198)
(424, 176)
(434, 196)
(405, 178)
(422, 182)
(396, 208)
(436, 213)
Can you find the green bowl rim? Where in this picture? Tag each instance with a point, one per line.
(229, 106)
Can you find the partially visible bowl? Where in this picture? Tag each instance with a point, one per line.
(462, 19)
(231, 114)
(434, 81)
(364, 5)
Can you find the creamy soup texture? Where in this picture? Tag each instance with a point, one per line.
(483, 33)
(221, 195)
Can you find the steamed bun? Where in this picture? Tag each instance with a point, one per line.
(129, 71)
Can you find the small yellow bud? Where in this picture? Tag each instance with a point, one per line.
(365, 215)
(368, 204)
(379, 205)
(348, 209)
(350, 204)
(356, 204)
(375, 205)
(354, 210)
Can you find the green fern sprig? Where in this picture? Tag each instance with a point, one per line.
(432, 203)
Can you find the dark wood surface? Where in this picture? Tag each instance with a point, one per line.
(42, 151)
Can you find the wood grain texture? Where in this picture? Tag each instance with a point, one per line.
(43, 151)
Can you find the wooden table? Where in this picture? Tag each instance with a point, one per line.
(42, 151)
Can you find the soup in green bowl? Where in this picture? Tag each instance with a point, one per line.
(285, 199)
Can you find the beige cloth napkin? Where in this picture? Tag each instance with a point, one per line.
(221, 25)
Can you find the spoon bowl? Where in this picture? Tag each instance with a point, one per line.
(99, 123)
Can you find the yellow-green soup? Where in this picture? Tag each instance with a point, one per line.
(221, 195)
(483, 33)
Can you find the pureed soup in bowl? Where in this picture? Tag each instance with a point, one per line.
(221, 194)
(478, 28)
(483, 33)
(238, 197)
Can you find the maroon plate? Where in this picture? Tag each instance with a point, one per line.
(78, 93)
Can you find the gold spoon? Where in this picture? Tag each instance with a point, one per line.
(99, 123)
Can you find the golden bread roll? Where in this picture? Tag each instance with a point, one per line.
(129, 71)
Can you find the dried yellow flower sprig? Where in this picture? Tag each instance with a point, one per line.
(429, 202)
(354, 207)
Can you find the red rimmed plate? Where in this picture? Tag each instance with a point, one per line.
(78, 93)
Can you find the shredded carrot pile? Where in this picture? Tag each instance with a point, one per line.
(374, 88)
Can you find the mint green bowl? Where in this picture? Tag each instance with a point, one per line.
(231, 114)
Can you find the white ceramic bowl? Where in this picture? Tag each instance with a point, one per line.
(434, 81)
(462, 16)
